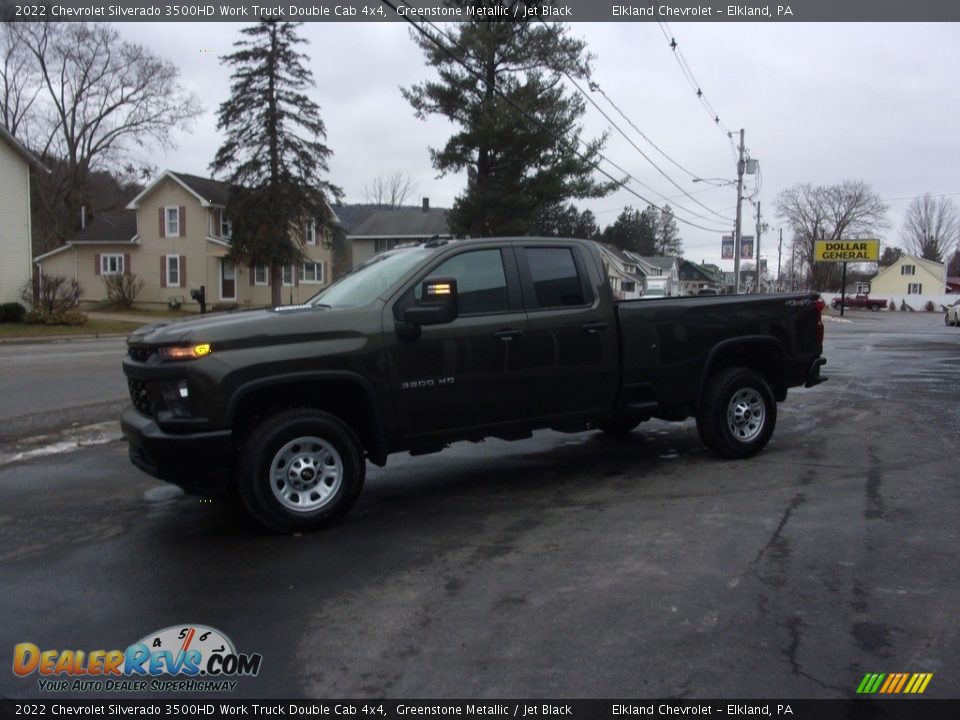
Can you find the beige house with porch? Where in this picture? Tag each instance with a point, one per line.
(175, 237)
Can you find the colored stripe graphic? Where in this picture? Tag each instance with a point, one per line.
(894, 683)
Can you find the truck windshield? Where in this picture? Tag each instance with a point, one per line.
(369, 281)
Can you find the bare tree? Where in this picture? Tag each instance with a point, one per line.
(19, 82)
(97, 98)
(930, 227)
(389, 190)
(834, 212)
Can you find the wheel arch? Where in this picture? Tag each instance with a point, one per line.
(763, 353)
(347, 395)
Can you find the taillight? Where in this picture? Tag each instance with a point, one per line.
(820, 305)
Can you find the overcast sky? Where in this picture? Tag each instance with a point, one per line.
(820, 103)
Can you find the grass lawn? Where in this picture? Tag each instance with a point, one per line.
(91, 327)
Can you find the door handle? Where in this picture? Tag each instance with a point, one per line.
(592, 327)
(507, 334)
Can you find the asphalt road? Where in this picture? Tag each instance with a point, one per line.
(564, 566)
(54, 385)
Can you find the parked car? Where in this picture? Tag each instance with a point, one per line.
(460, 340)
(952, 316)
(860, 301)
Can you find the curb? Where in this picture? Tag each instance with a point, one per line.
(28, 340)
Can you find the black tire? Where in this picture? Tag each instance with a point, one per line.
(875, 308)
(300, 470)
(619, 425)
(738, 414)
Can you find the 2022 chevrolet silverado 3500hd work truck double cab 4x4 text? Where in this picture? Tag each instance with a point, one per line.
(461, 340)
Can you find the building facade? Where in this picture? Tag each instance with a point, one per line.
(175, 237)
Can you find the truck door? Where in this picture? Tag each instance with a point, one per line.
(573, 334)
(471, 372)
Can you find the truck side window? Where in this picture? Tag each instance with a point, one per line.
(481, 281)
(555, 279)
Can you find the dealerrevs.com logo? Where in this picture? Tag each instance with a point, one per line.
(187, 658)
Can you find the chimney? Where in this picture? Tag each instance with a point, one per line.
(426, 204)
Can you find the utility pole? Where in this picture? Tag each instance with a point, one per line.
(779, 255)
(793, 264)
(759, 274)
(736, 231)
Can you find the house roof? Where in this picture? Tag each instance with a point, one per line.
(661, 261)
(412, 222)
(110, 227)
(215, 192)
(350, 216)
(695, 271)
(21, 150)
(208, 191)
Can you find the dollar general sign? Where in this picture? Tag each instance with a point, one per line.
(846, 250)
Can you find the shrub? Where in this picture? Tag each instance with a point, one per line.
(123, 289)
(56, 317)
(56, 294)
(930, 307)
(893, 306)
(12, 312)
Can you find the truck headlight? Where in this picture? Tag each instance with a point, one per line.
(188, 352)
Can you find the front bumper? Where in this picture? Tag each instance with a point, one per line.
(199, 462)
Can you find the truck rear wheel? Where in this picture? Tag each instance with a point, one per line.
(301, 470)
(738, 413)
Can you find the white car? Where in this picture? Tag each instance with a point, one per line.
(952, 318)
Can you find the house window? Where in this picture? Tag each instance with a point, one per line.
(915, 289)
(312, 232)
(111, 264)
(173, 271)
(260, 275)
(287, 272)
(908, 269)
(226, 227)
(383, 244)
(311, 272)
(172, 216)
(629, 286)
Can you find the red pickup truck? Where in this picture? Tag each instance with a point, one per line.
(860, 301)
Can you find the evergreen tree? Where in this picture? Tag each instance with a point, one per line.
(557, 220)
(649, 226)
(515, 167)
(273, 151)
(668, 236)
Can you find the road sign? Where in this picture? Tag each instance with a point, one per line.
(846, 250)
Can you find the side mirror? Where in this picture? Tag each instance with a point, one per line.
(437, 304)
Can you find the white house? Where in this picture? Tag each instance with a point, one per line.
(15, 237)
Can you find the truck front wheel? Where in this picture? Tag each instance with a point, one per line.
(300, 470)
(738, 413)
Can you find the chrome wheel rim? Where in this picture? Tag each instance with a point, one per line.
(306, 474)
(746, 414)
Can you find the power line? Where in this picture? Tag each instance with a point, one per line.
(595, 87)
(692, 80)
(532, 118)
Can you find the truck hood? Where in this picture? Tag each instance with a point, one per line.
(251, 327)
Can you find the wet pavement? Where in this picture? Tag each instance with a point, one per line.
(562, 566)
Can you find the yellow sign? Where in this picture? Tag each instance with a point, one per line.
(846, 250)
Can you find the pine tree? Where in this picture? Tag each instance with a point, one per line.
(668, 236)
(273, 151)
(515, 167)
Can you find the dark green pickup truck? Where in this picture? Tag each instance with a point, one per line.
(446, 341)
